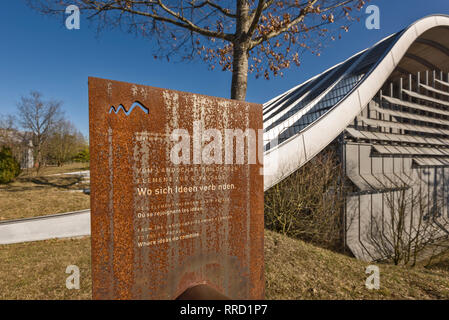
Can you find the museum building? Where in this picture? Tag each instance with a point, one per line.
(387, 111)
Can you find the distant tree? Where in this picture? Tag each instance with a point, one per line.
(263, 36)
(11, 137)
(39, 117)
(64, 142)
(7, 128)
(82, 156)
(8, 122)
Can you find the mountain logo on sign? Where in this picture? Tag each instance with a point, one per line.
(127, 112)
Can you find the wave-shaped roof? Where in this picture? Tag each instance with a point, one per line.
(301, 122)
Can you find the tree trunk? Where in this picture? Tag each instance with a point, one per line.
(39, 153)
(239, 73)
(240, 52)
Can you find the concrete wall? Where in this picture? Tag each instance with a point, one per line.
(369, 211)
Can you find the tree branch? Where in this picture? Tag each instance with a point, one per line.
(336, 5)
(225, 11)
(191, 26)
(178, 20)
(303, 13)
(255, 17)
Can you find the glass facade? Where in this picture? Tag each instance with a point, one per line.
(300, 108)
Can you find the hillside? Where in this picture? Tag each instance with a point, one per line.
(298, 270)
(294, 270)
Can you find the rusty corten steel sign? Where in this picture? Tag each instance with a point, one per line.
(159, 226)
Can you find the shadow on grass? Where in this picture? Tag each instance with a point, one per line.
(64, 183)
(51, 170)
(441, 261)
(21, 188)
(442, 265)
(39, 183)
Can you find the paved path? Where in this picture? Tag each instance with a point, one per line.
(64, 225)
(84, 173)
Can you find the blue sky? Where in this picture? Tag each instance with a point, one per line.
(39, 53)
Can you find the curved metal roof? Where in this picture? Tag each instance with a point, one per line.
(301, 122)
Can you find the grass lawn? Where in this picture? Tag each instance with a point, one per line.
(36, 270)
(293, 270)
(31, 195)
(440, 261)
(298, 270)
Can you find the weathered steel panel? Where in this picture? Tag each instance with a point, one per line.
(159, 228)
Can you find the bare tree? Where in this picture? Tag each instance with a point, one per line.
(64, 142)
(309, 203)
(412, 228)
(10, 136)
(38, 117)
(263, 36)
(7, 130)
(8, 122)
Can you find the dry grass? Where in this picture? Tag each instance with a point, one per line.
(438, 262)
(36, 270)
(30, 195)
(297, 270)
(294, 270)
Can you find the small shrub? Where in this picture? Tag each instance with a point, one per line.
(82, 156)
(9, 167)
